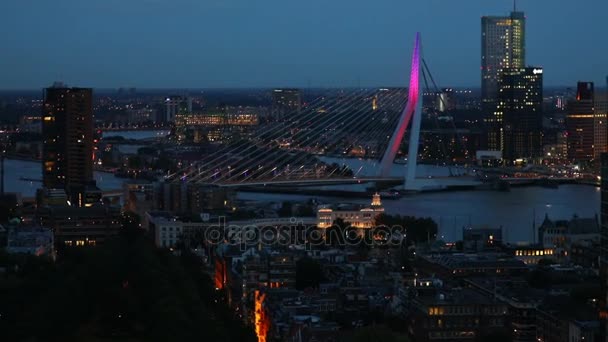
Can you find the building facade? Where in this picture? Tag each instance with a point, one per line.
(67, 130)
(520, 105)
(285, 102)
(176, 105)
(600, 125)
(79, 227)
(604, 251)
(502, 47)
(580, 123)
(356, 217)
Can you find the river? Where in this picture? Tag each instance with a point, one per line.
(516, 211)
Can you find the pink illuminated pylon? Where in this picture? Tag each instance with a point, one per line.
(405, 118)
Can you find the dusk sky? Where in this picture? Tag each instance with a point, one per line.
(268, 43)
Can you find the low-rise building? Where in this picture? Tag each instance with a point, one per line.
(81, 226)
(464, 265)
(139, 197)
(30, 240)
(521, 300)
(455, 315)
(532, 254)
(560, 318)
(168, 229)
(561, 234)
(481, 238)
(356, 216)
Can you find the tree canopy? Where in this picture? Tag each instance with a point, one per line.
(125, 289)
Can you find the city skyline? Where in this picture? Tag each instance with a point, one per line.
(240, 44)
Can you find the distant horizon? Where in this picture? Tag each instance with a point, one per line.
(311, 44)
(474, 88)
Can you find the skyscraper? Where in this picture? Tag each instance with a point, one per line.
(520, 104)
(177, 105)
(600, 124)
(502, 47)
(580, 123)
(603, 307)
(67, 130)
(285, 102)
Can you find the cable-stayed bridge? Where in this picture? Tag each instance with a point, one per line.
(287, 151)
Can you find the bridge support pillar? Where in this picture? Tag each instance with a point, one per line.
(412, 109)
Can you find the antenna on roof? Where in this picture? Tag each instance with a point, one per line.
(514, 5)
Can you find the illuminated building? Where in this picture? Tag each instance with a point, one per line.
(502, 47)
(67, 130)
(286, 103)
(603, 305)
(77, 227)
(580, 122)
(193, 198)
(355, 216)
(216, 126)
(177, 105)
(135, 116)
(445, 100)
(520, 107)
(216, 119)
(481, 238)
(532, 255)
(281, 271)
(456, 315)
(600, 125)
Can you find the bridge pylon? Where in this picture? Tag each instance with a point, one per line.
(413, 109)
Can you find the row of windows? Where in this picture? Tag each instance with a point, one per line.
(79, 243)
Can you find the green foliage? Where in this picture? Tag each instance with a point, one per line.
(125, 289)
(306, 210)
(417, 229)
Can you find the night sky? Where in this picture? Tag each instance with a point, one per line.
(267, 43)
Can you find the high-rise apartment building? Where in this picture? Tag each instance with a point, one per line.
(580, 123)
(285, 102)
(177, 105)
(502, 47)
(603, 307)
(600, 124)
(67, 130)
(520, 106)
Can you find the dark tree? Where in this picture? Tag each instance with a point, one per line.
(308, 273)
(125, 289)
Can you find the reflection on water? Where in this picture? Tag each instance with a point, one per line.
(20, 177)
(137, 135)
(516, 211)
